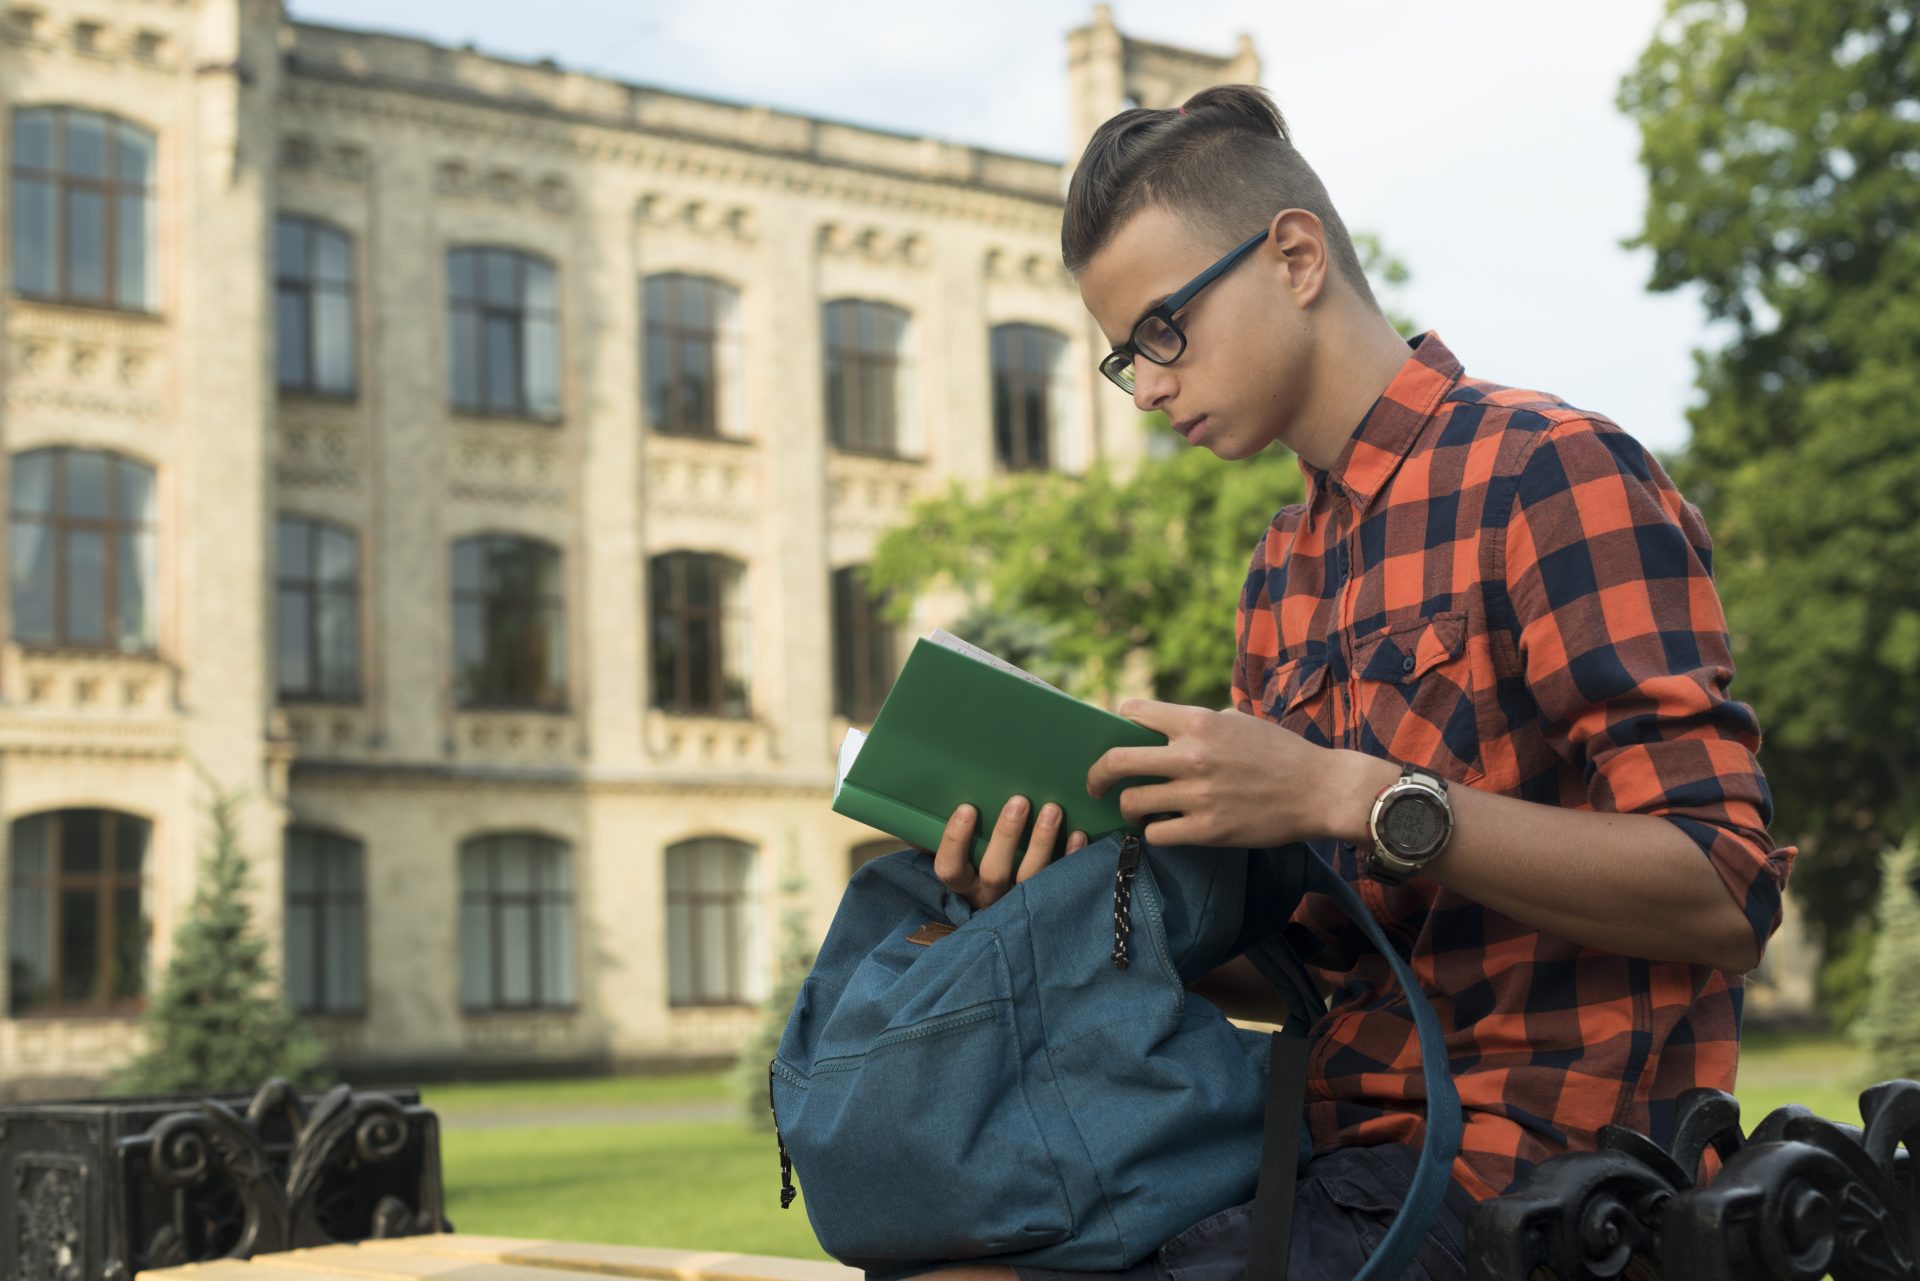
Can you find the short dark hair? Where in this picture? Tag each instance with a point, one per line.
(1223, 161)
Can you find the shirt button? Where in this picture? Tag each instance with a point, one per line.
(1406, 664)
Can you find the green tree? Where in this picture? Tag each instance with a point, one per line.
(1890, 1025)
(1091, 569)
(795, 963)
(1782, 146)
(220, 1021)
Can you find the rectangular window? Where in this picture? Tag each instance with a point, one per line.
(867, 375)
(82, 550)
(325, 923)
(701, 641)
(313, 307)
(503, 354)
(516, 923)
(509, 624)
(863, 651)
(317, 611)
(82, 209)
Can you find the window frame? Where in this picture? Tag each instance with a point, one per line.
(725, 366)
(676, 614)
(1013, 382)
(103, 883)
(840, 322)
(863, 647)
(737, 906)
(314, 588)
(109, 190)
(540, 605)
(496, 902)
(520, 312)
(60, 526)
(310, 288)
(324, 903)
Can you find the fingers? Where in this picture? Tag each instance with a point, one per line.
(1117, 763)
(953, 861)
(1154, 798)
(1046, 832)
(1005, 865)
(1003, 850)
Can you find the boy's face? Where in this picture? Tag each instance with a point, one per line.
(1240, 381)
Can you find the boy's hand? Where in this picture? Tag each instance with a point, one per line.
(953, 861)
(1232, 779)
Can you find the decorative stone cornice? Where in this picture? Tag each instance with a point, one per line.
(346, 161)
(312, 91)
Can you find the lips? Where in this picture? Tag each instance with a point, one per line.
(1187, 427)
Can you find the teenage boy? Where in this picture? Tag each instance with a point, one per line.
(1482, 668)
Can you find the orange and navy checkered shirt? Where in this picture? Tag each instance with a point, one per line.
(1511, 593)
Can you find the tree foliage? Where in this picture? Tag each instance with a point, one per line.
(220, 1021)
(1890, 1024)
(1782, 146)
(1082, 572)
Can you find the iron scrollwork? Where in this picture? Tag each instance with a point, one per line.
(1797, 1199)
(282, 1176)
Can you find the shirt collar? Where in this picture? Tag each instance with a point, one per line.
(1378, 445)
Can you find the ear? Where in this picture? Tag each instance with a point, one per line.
(1297, 245)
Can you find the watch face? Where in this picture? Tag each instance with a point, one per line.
(1412, 825)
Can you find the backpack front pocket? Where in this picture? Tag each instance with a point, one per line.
(921, 1143)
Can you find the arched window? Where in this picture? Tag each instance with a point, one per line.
(326, 922)
(516, 923)
(83, 209)
(863, 658)
(509, 624)
(1032, 389)
(713, 946)
(692, 365)
(76, 912)
(503, 341)
(869, 374)
(313, 307)
(82, 529)
(316, 610)
(699, 615)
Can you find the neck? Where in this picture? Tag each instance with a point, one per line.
(1359, 353)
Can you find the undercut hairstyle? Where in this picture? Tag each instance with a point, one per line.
(1223, 162)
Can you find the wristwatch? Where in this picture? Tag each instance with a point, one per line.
(1410, 822)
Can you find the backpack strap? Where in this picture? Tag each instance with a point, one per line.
(1271, 1228)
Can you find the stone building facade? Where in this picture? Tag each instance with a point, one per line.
(462, 458)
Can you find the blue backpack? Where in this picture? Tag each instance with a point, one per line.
(1033, 1083)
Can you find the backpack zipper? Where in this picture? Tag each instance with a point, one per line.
(1123, 875)
(786, 1161)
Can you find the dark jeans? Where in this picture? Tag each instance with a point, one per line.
(1341, 1208)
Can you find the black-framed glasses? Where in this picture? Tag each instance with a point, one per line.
(1154, 335)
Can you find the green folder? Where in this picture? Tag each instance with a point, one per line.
(957, 729)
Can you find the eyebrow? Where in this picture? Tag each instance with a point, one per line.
(1146, 311)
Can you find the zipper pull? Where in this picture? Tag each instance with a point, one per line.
(1123, 897)
(787, 1192)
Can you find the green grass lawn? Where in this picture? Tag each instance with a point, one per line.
(715, 1186)
(496, 1097)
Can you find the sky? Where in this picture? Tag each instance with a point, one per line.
(1477, 138)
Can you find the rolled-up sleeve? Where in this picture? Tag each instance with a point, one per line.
(1625, 651)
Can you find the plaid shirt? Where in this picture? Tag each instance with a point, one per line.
(1510, 592)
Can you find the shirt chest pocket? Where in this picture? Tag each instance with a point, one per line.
(1295, 697)
(1415, 696)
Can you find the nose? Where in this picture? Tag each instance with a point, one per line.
(1153, 385)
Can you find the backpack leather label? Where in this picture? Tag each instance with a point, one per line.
(930, 933)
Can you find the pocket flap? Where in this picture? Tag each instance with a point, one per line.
(1291, 684)
(1407, 651)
